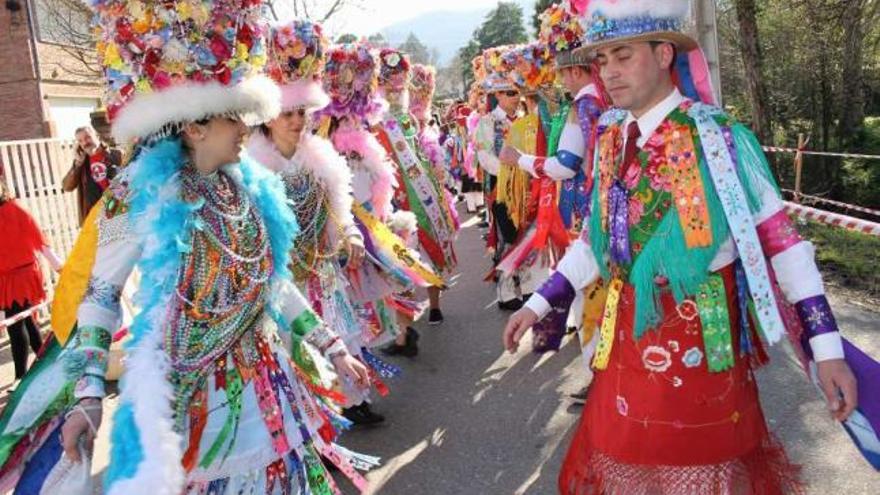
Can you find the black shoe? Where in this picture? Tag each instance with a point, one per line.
(435, 316)
(409, 349)
(512, 305)
(579, 397)
(412, 337)
(483, 225)
(361, 415)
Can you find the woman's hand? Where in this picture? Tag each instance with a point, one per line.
(83, 422)
(347, 366)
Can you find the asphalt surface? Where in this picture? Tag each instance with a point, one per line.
(468, 418)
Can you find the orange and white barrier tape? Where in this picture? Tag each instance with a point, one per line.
(817, 199)
(833, 219)
(778, 149)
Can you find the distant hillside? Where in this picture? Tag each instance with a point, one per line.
(447, 31)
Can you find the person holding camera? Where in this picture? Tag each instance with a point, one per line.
(93, 167)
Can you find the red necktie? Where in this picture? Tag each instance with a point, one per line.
(631, 150)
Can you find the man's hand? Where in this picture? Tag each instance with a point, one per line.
(509, 154)
(80, 158)
(839, 386)
(516, 327)
(83, 421)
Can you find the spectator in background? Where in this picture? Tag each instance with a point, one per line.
(21, 282)
(102, 127)
(93, 168)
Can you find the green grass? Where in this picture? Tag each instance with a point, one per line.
(847, 258)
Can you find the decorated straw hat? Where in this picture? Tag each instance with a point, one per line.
(616, 21)
(497, 70)
(421, 90)
(296, 62)
(170, 63)
(561, 31)
(531, 66)
(350, 80)
(611, 22)
(394, 68)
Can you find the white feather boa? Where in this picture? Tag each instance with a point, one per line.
(377, 182)
(318, 156)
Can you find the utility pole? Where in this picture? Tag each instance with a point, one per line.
(703, 12)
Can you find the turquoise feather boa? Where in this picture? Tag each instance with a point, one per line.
(162, 223)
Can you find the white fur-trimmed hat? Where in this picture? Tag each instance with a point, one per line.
(167, 64)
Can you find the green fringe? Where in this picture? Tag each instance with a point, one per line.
(668, 255)
(753, 169)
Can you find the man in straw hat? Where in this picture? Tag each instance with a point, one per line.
(561, 33)
(492, 130)
(687, 228)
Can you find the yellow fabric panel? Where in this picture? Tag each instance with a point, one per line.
(513, 182)
(594, 306)
(75, 276)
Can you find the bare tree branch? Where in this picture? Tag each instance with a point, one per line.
(66, 24)
(337, 5)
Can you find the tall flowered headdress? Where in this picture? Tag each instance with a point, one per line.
(562, 33)
(421, 90)
(394, 68)
(531, 66)
(497, 69)
(622, 21)
(297, 52)
(350, 81)
(169, 63)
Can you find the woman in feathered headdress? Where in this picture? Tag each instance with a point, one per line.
(318, 183)
(209, 401)
(421, 191)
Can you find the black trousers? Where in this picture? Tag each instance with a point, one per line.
(20, 334)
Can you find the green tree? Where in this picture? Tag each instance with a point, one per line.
(378, 40)
(346, 38)
(502, 26)
(417, 51)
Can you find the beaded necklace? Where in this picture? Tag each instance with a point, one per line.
(312, 209)
(222, 283)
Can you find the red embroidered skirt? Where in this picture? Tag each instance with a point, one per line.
(656, 421)
(22, 285)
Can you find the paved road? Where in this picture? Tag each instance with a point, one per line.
(467, 418)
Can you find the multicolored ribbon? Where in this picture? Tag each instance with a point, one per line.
(392, 253)
(742, 226)
(435, 220)
(609, 325)
(717, 342)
